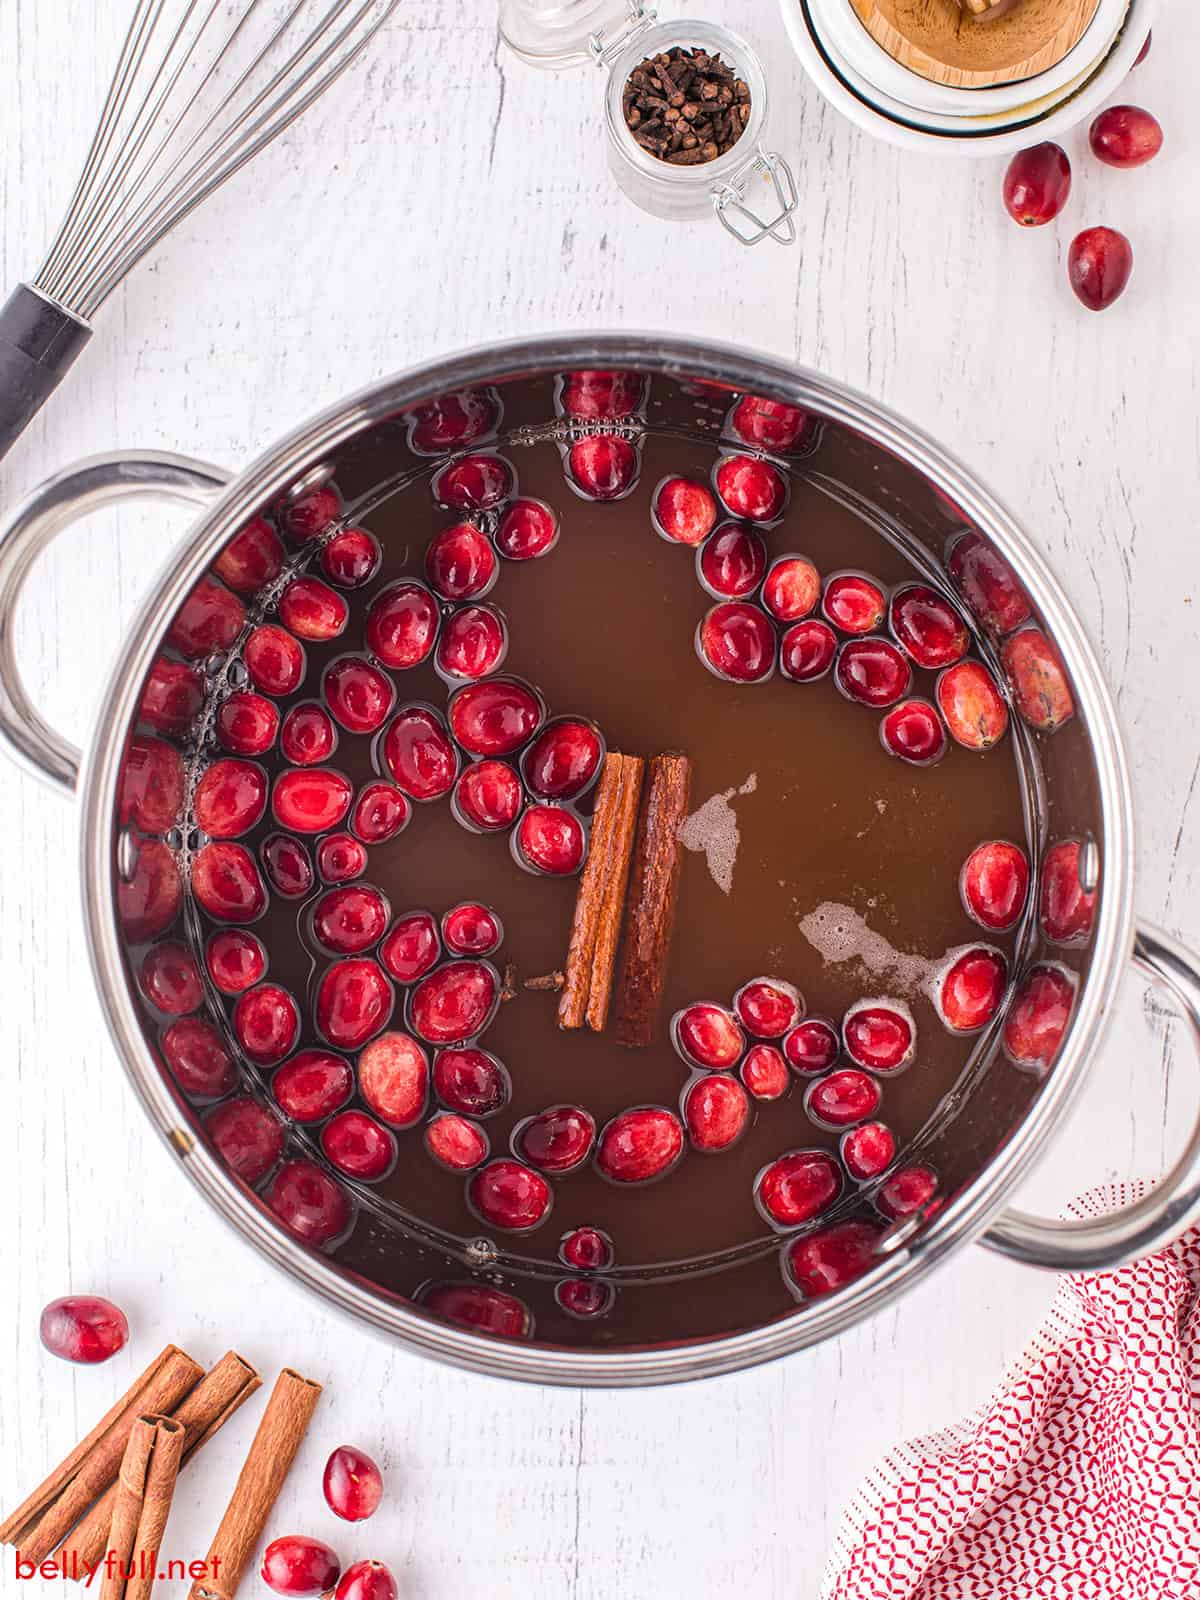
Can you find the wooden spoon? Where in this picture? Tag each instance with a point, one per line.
(964, 49)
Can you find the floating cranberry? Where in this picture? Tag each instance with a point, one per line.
(312, 1085)
(149, 901)
(792, 588)
(868, 1150)
(351, 558)
(853, 602)
(247, 724)
(806, 650)
(312, 610)
(460, 563)
(472, 930)
(230, 798)
(1099, 263)
(452, 421)
(913, 732)
(235, 959)
(764, 1072)
(304, 516)
(1065, 908)
(927, 626)
(349, 921)
(602, 466)
(1038, 680)
(287, 864)
(298, 1565)
(1036, 184)
(483, 1310)
(750, 487)
(773, 425)
(586, 1249)
(352, 1484)
(359, 1146)
(564, 759)
(473, 644)
(879, 1034)
(152, 783)
(253, 556)
(310, 1204)
(170, 978)
(471, 1080)
(831, 1258)
(380, 812)
(842, 1098)
(716, 1112)
(872, 671)
(601, 396)
(248, 1138)
(972, 705)
(551, 840)
(584, 1297)
(340, 858)
(266, 1020)
(227, 883)
(557, 1139)
(994, 883)
(488, 796)
(708, 1036)
(639, 1145)
(455, 1142)
(171, 696)
(969, 992)
(393, 1078)
(797, 1187)
(684, 511)
(768, 1007)
(412, 946)
(402, 625)
(1038, 1015)
(1125, 136)
(353, 1002)
(275, 661)
(906, 1191)
(198, 1059)
(507, 1195)
(737, 642)
(495, 717)
(209, 620)
(731, 562)
(358, 694)
(455, 1002)
(83, 1328)
(811, 1046)
(474, 483)
(528, 529)
(988, 584)
(311, 799)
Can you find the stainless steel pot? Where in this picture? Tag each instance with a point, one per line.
(997, 1129)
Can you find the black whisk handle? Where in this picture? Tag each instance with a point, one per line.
(38, 344)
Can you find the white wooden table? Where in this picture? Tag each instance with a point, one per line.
(445, 195)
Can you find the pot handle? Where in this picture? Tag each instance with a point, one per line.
(63, 499)
(1097, 1244)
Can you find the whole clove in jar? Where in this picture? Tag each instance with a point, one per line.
(685, 106)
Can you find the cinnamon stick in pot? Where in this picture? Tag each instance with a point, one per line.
(145, 1488)
(650, 912)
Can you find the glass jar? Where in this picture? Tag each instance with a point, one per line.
(750, 189)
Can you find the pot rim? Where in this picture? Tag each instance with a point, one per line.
(907, 1257)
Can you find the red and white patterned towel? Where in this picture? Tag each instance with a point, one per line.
(1079, 1480)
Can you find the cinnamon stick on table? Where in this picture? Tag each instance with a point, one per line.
(650, 912)
(145, 1489)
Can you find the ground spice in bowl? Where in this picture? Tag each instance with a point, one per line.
(685, 106)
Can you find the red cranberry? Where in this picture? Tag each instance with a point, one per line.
(472, 930)
(311, 1205)
(483, 1310)
(456, 1143)
(419, 754)
(750, 487)
(993, 883)
(352, 1484)
(806, 650)
(768, 1007)
(488, 796)
(684, 511)
(831, 1258)
(311, 799)
(731, 562)
(495, 717)
(247, 724)
(380, 812)
(971, 703)
(564, 759)
(792, 588)
(868, 1150)
(454, 1003)
(235, 959)
(550, 839)
(340, 858)
(275, 661)
(1036, 184)
(528, 529)
(170, 978)
(393, 1078)
(586, 1249)
(1145, 50)
(928, 627)
(716, 1112)
(351, 558)
(601, 396)
(209, 620)
(402, 624)
(639, 1145)
(312, 1085)
(306, 515)
(708, 1036)
(227, 883)
(1038, 1015)
(797, 1187)
(84, 1328)
(247, 1137)
(353, 1002)
(287, 864)
(507, 1195)
(230, 798)
(737, 642)
(453, 421)
(349, 921)
(151, 785)
(312, 610)
(412, 946)
(473, 643)
(267, 1021)
(1065, 908)
(1099, 263)
(584, 1297)
(872, 671)
(853, 602)
(772, 425)
(198, 1059)
(253, 556)
(907, 1190)
(359, 1146)
(358, 694)
(842, 1098)
(1038, 680)
(913, 732)
(879, 1034)
(149, 902)
(988, 584)
(460, 563)
(474, 483)
(811, 1046)
(602, 466)
(298, 1565)
(172, 695)
(1125, 136)
(969, 991)
(471, 1081)
(764, 1072)
(557, 1140)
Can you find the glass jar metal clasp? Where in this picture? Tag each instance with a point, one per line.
(738, 217)
(604, 47)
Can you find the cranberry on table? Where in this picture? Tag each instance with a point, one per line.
(772, 424)
(275, 661)
(506, 1194)
(308, 735)
(83, 1328)
(811, 1046)
(913, 732)
(988, 585)
(750, 487)
(472, 930)
(248, 1138)
(312, 610)
(927, 627)
(247, 723)
(359, 1146)
(639, 1145)
(298, 1566)
(152, 783)
(831, 1258)
(312, 1085)
(972, 705)
(731, 562)
(557, 1139)
(312, 1206)
(1038, 1015)
(311, 799)
(586, 1249)
(354, 1001)
(708, 1036)
(1036, 184)
(352, 1484)
(471, 1080)
(340, 858)
(393, 1079)
(797, 1186)
(602, 466)
(969, 992)
(1099, 263)
(550, 839)
(868, 1150)
(792, 588)
(1065, 907)
(348, 921)
(208, 621)
(402, 625)
(495, 717)
(170, 979)
(227, 883)
(230, 798)
(287, 864)
(528, 529)
(564, 759)
(473, 643)
(806, 650)
(879, 1035)
(488, 796)
(412, 947)
(584, 1297)
(359, 695)
(380, 812)
(853, 602)
(460, 563)
(455, 1002)
(366, 1580)
(906, 1191)
(149, 901)
(266, 1020)
(235, 959)
(683, 510)
(480, 1308)
(453, 420)
(872, 672)
(1145, 50)
(768, 1007)
(197, 1058)
(1038, 680)
(716, 1112)
(765, 1072)
(351, 558)
(474, 483)
(304, 516)
(171, 696)
(1125, 136)
(994, 884)
(455, 1142)
(254, 556)
(842, 1098)
(736, 642)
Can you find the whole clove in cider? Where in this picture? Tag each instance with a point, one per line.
(685, 106)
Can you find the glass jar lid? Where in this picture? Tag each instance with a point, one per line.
(571, 33)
